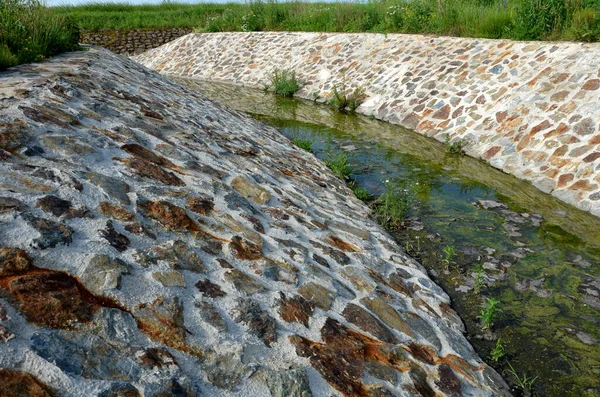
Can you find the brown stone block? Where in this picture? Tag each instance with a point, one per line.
(591, 85)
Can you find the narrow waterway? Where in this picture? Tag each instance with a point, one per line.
(479, 232)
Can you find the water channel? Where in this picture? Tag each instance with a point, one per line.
(474, 228)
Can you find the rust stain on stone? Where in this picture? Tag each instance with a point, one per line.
(245, 249)
(152, 171)
(22, 384)
(341, 244)
(46, 297)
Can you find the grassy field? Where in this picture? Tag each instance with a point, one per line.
(30, 32)
(577, 20)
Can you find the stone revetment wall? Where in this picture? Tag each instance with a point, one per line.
(531, 109)
(132, 41)
(156, 243)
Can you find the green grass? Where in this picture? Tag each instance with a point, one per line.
(346, 99)
(30, 32)
(339, 165)
(457, 146)
(283, 83)
(360, 192)
(303, 144)
(521, 20)
(392, 206)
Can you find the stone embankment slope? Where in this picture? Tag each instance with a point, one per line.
(155, 243)
(132, 41)
(530, 109)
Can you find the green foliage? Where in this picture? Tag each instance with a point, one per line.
(457, 146)
(30, 32)
(498, 351)
(522, 19)
(283, 82)
(585, 25)
(537, 19)
(392, 206)
(339, 165)
(360, 192)
(525, 382)
(346, 99)
(449, 255)
(489, 312)
(302, 143)
(7, 58)
(479, 278)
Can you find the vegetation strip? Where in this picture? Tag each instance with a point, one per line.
(511, 19)
(30, 32)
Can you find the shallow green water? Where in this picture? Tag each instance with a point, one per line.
(541, 257)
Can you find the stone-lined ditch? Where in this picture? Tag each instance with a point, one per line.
(539, 257)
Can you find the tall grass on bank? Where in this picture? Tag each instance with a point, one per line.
(519, 19)
(30, 32)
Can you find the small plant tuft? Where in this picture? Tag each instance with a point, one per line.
(498, 351)
(283, 82)
(339, 165)
(302, 144)
(489, 312)
(360, 192)
(392, 206)
(457, 146)
(449, 254)
(479, 278)
(346, 99)
(525, 382)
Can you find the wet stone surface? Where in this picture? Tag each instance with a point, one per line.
(156, 243)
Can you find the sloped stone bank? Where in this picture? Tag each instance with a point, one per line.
(132, 41)
(155, 243)
(531, 109)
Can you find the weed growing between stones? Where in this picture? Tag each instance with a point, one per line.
(457, 146)
(283, 82)
(346, 99)
(489, 312)
(392, 206)
(498, 351)
(360, 192)
(525, 382)
(339, 165)
(449, 255)
(304, 144)
(479, 278)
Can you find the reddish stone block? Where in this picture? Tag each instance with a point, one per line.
(583, 185)
(501, 116)
(591, 157)
(591, 85)
(564, 179)
(443, 113)
(559, 96)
